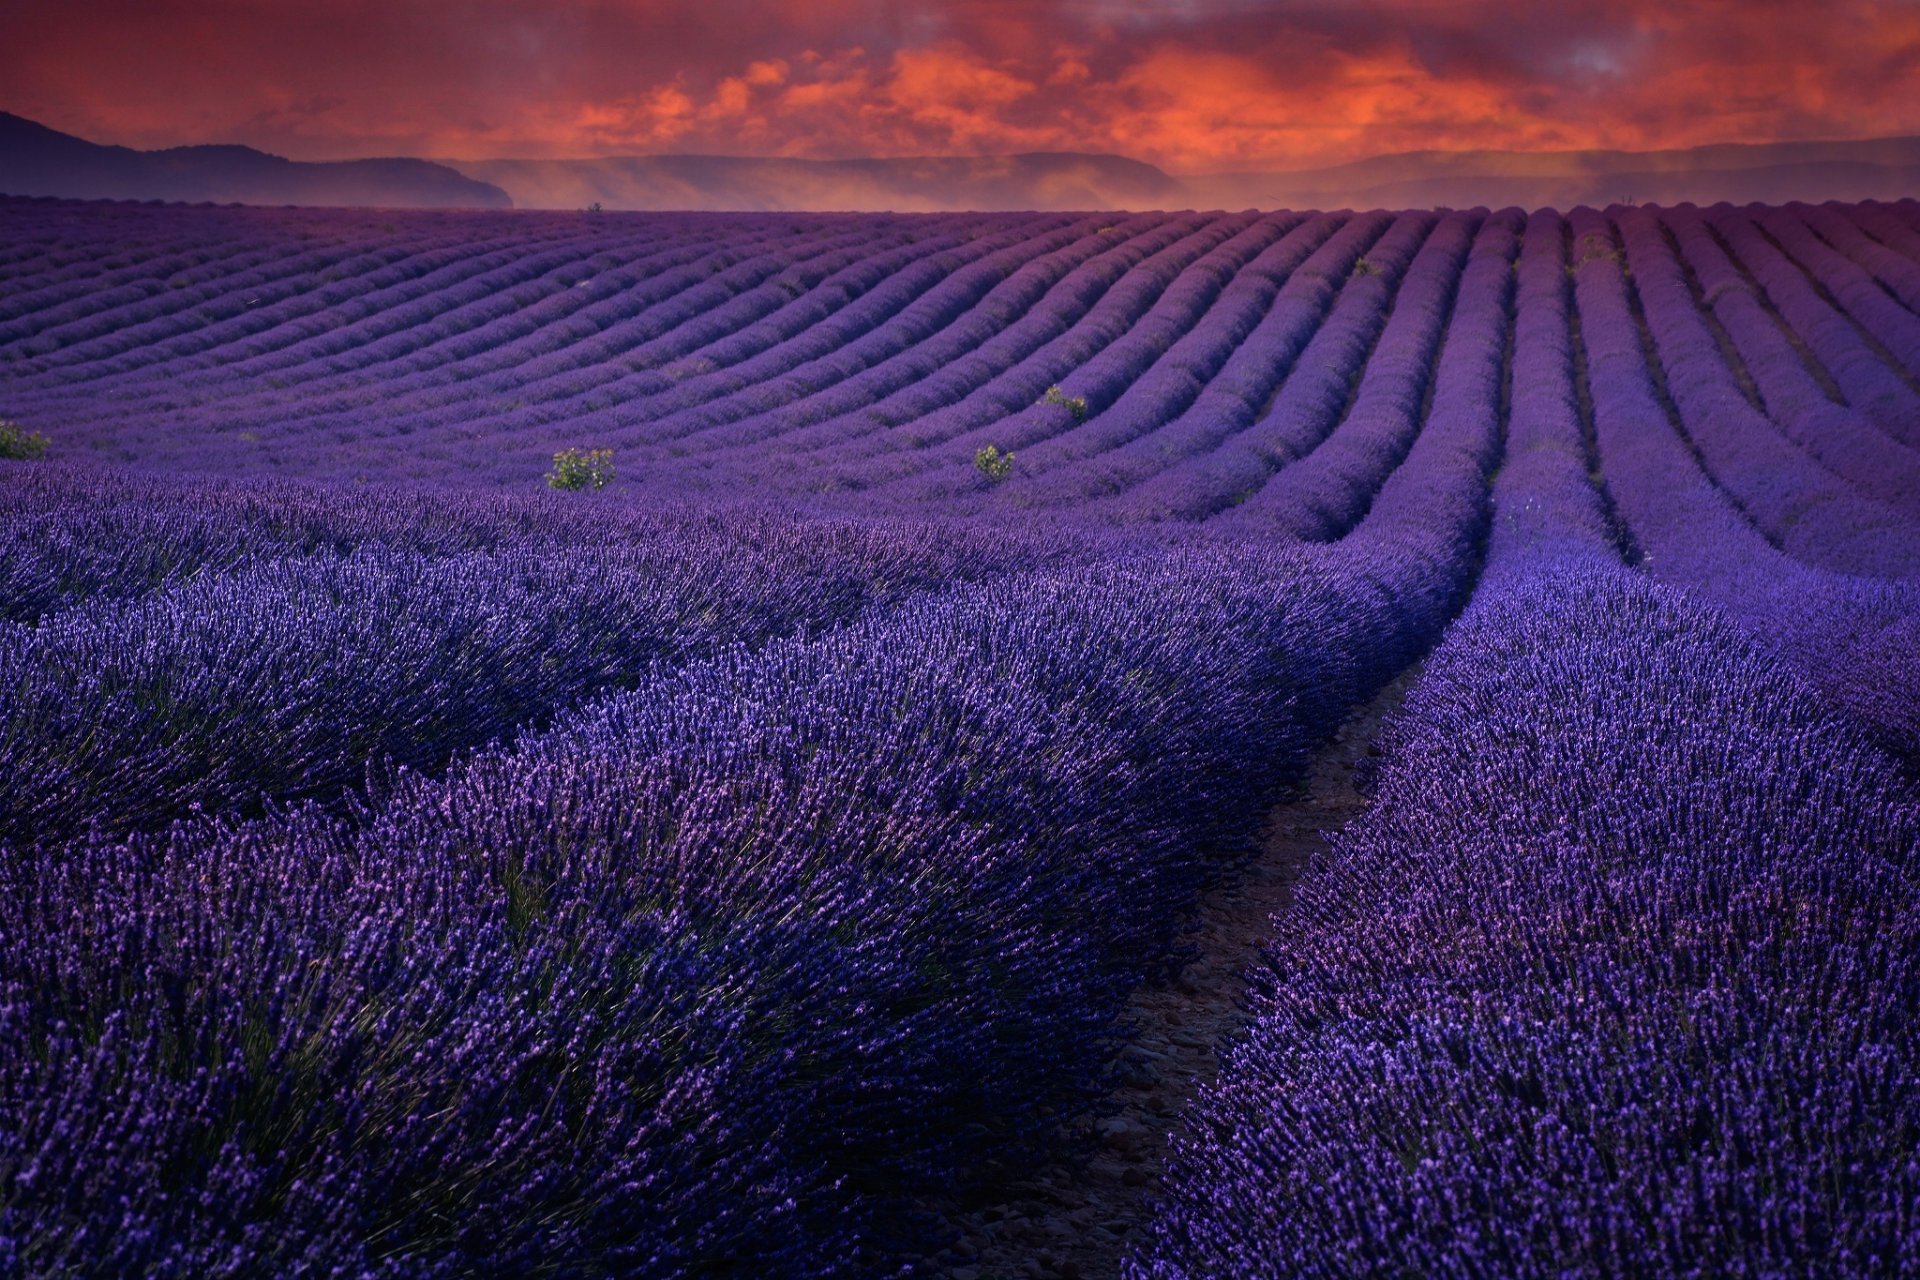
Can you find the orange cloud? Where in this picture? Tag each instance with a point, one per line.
(1195, 86)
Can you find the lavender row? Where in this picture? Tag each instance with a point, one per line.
(1169, 281)
(290, 312)
(1039, 300)
(1854, 637)
(651, 319)
(283, 678)
(1868, 381)
(321, 291)
(1847, 286)
(1243, 385)
(940, 284)
(1883, 223)
(1808, 412)
(1315, 394)
(1131, 382)
(1796, 501)
(73, 535)
(720, 974)
(1898, 273)
(1536, 1010)
(1616, 977)
(1191, 357)
(1322, 495)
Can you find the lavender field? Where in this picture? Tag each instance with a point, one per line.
(409, 869)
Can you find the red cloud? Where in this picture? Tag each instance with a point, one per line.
(1202, 85)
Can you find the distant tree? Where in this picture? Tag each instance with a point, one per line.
(993, 464)
(16, 442)
(581, 469)
(1076, 405)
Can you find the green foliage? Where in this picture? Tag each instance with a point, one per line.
(581, 469)
(18, 443)
(1365, 268)
(1076, 405)
(993, 464)
(1596, 247)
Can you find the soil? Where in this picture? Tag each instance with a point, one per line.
(1076, 1219)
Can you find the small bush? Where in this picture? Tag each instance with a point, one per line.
(17, 443)
(1076, 405)
(1365, 268)
(581, 469)
(594, 207)
(1595, 247)
(993, 464)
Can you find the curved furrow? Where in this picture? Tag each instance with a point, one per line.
(1316, 394)
(153, 334)
(1134, 291)
(854, 376)
(575, 375)
(1189, 360)
(55, 290)
(637, 319)
(506, 367)
(1845, 285)
(1244, 385)
(1800, 505)
(1880, 222)
(689, 267)
(1898, 274)
(438, 379)
(341, 302)
(929, 289)
(1844, 441)
(1853, 636)
(1867, 379)
(432, 315)
(1036, 301)
(1321, 496)
(158, 287)
(368, 269)
(1101, 379)
(707, 325)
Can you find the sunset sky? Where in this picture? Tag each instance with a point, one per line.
(1194, 86)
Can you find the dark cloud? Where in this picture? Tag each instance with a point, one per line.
(1194, 86)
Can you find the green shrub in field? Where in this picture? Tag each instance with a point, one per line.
(993, 464)
(581, 469)
(18, 443)
(1076, 405)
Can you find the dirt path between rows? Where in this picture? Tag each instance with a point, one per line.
(1077, 1220)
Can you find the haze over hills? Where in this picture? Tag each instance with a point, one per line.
(35, 160)
(38, 161)
(1739, 173)
(1041, 181)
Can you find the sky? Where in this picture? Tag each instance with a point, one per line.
(1194, 86)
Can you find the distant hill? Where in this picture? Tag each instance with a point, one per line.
(1770, 173)
(1042, 180)
(38, 161)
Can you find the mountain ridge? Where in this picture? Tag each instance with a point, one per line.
(36, 160)
(39, 161)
